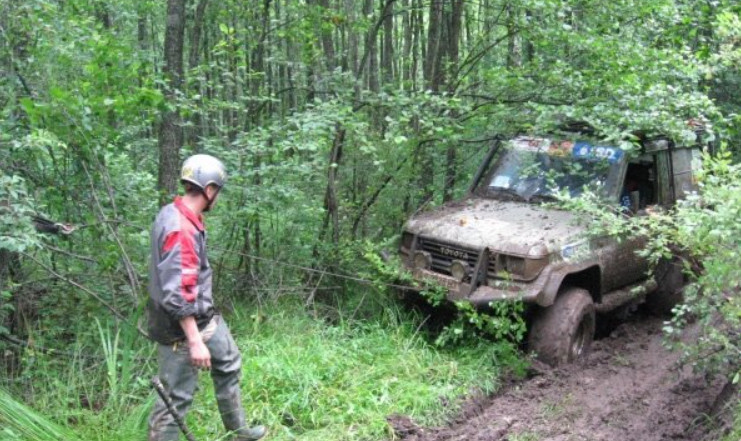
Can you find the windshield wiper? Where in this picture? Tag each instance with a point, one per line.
(538, 197)
(512, 193)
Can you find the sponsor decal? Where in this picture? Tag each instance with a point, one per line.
(530, 144)
(561, 148)
(584, 150)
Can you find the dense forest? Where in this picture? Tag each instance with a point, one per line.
(336, 121)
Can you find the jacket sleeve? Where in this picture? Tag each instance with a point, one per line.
(178, 274)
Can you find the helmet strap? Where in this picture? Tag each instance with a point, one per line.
(210, 201)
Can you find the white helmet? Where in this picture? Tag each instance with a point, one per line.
(202, 171)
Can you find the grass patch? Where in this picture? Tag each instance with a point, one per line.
(304, 378)
(21, 423)
(734, 433)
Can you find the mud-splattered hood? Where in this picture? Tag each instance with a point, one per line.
(515, 228)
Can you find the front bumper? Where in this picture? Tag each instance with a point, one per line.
(495, 290)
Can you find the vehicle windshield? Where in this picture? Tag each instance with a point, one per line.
(537, 168)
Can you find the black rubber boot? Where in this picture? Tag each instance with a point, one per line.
(251, 433)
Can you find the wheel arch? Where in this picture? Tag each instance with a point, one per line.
(588, 278)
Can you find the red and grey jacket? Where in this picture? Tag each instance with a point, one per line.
(179, 273)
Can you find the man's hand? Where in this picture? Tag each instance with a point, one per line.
(199, 354)
(200, 357)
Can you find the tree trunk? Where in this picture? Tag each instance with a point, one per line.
(327, 44)
(353, 43)
(207, 85)
(454, 38)
(171, 133)
(528, 50)
(258, 66)
(387, 54)
(372, 51)
(454, 31)
(331, 203)
(434, 40)
(513, 59)
(195, 38)
(418, 49)
(141, 37)
(193, 59)
(406, 51)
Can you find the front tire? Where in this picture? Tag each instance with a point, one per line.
(564, 331)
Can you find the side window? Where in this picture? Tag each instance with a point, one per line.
(686, 163)
(640, 187)
(677, 178)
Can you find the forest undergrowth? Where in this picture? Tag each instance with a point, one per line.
(303, 377)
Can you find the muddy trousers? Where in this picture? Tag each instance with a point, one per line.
(180, 380)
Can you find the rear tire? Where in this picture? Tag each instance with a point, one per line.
(671, 280)
(564, 331)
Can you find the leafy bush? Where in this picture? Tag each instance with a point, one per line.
(703, 230)
(707, 225)
(502, 321)
(16, 210)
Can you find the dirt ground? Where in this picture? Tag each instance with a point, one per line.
(628, 389)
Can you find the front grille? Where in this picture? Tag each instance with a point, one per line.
(444, 254)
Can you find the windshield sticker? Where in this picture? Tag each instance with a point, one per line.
(530, 144)
(583, 150)
(501, 181)
(561, 148)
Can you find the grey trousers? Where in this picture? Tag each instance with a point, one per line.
(180, 379)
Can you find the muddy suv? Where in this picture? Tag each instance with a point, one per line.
(501, 243)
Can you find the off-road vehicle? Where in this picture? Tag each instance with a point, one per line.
(502, 243)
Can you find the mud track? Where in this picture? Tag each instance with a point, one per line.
(628, 389)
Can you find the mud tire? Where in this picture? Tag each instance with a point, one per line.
(671, 280)
(564, 331)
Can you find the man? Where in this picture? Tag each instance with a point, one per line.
(182, 319)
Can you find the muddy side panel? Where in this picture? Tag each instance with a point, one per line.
(619, 262)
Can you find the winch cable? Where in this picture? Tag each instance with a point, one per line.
(316, 270)
(265, 259)
(61, 353)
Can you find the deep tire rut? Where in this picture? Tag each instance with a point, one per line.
(628, 389)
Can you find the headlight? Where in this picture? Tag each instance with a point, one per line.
(459, 270)
(406, 243)
(514, 265)
(518, 268)
(422, 260)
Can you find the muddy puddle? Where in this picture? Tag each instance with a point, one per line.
(629, 389)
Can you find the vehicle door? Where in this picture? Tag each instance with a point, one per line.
(641, 190)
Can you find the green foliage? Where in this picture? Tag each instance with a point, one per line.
(120, 365)
(703, 230)
(708, 226)
(733, 432)
(304, 378)
(21, 423)
(16, 209)
(82, 92)
(6, 308)
(308, 380)
(502, 322)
